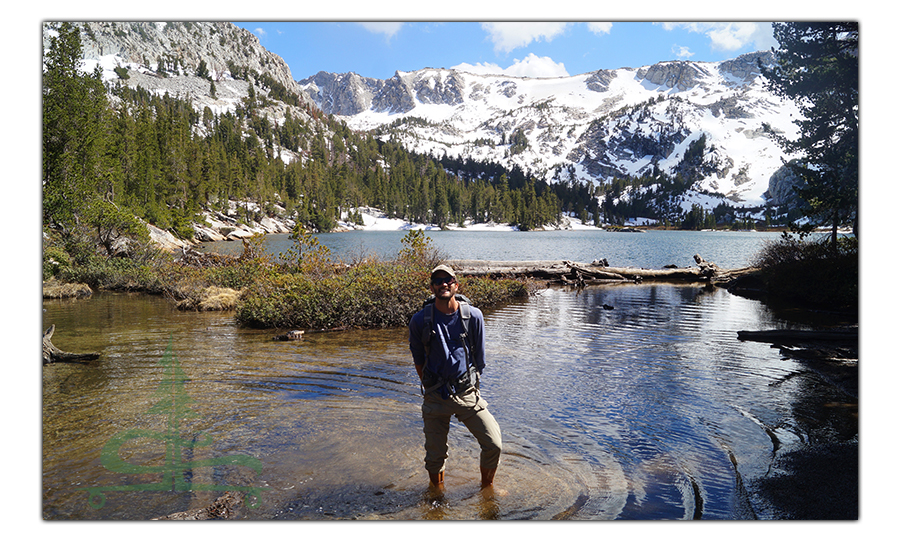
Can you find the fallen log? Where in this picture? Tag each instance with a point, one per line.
(52, 354)
(577, 273)
(801, 337)
(225, 507)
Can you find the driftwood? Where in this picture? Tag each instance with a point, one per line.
(53, 354)
(801, 337)
(225, 507)
(580, 274)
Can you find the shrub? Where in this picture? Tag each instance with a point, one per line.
(307, 256)
(811, 272)
(55, 259)
(283, 300)
(419, 251)
(369, 295)
(112, 274)
(484, 292)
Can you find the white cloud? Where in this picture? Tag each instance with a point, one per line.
(260, 32)
(482, 68)
(508, 36)
(535, 66)
(731, 36)
(600, 28)
(530, 66)
(388, 29)
(681, 51)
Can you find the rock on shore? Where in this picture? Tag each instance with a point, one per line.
(221, 227)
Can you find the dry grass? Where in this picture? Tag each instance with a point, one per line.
(55, 290)
(218, 299)
(211, 299)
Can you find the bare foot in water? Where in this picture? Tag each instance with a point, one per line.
(490, 491)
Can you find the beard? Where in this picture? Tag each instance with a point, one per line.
(444, 294)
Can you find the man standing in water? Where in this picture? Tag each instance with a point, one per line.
(446, 339)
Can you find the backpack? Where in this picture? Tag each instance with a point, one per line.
(436, 382)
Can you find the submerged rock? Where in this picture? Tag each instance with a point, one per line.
(293, 335)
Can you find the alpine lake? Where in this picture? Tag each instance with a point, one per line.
(631, 401)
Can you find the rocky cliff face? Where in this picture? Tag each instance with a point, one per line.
(181, 46)
(350, 94)
(677, 75)
(194, 61)
(782, 187)
(342, 94)
(746, 67)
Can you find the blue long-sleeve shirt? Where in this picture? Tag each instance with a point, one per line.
(447, 357)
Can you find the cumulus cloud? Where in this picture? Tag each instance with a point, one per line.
(535, 66)
(259, 31)
(388, 29)
(508, 36)
(731, 36)
(600, 28)
(530, 66)
(482, 68)
(681, 51)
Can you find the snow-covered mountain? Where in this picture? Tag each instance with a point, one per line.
(703, 121)
(168, 58)
(593, 126)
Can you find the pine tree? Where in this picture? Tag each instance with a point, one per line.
(73, 136)
(818, 66)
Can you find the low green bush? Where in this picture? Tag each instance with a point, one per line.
(304, 288)
(368, 295)
(484, 292)
(121, 274)
(811, 272)
(55, 259)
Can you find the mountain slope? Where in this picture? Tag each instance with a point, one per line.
(699, 124)
(598, 126)
(210, 64)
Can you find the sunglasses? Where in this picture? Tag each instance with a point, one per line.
(437, 281)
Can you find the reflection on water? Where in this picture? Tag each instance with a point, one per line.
(649, 410)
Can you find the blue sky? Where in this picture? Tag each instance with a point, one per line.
(527, 48)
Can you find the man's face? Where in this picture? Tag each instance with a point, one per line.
(443, 286)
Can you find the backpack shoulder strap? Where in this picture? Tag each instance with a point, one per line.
(427, 330)
(465, 313)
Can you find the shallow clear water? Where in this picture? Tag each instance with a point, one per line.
(650, 410)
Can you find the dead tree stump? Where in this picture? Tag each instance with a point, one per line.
(53, 354)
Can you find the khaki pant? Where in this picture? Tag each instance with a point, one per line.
(470, 409)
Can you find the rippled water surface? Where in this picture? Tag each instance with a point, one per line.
(649, 410)
(650, 249)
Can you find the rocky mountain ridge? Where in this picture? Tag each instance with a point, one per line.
(142, 45)
(594, 127)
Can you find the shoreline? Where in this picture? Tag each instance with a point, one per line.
(227, 227)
